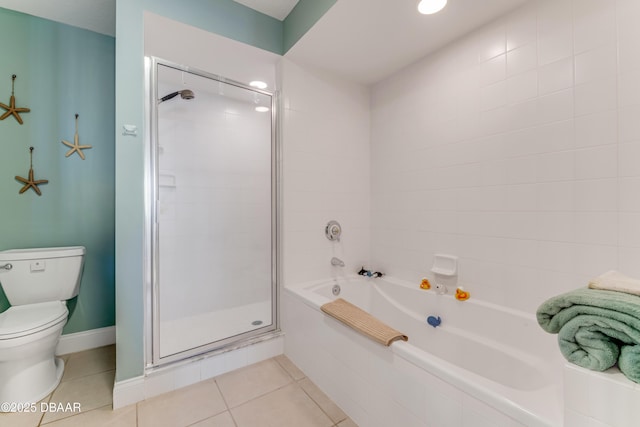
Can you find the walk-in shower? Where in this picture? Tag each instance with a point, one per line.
(211, 213)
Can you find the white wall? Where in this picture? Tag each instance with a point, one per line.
(517, 149)
(187, 45)
(326, 172)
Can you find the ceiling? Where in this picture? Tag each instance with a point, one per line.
(361, 40)
(278, 9)
(367, 40)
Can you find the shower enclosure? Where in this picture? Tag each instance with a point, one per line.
(211, 213)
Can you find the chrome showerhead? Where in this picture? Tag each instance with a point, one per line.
(184, 94)
(187, 94)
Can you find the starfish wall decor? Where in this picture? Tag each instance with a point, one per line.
(76, 147)
(12, 110)
(31, 183)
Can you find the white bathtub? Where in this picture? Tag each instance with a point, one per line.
(483, 366)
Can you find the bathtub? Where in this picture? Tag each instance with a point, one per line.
(483, 366)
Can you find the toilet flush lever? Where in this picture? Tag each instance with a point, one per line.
(6, 267)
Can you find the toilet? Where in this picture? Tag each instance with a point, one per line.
(37, 283)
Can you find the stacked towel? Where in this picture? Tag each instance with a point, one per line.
(596, 329)
(614, 281)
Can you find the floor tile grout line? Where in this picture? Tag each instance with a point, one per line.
(226, 404)
(298, 381)
(286, 370)
(74, 414)
(48, 400)
(320, 406)
(235, 423)
(87, 375)
(84, 376)
(257, 397)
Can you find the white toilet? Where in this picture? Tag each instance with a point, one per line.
(37, 283)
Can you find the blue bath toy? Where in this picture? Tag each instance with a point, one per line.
(434, 321)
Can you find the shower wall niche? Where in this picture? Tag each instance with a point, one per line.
(212, 197)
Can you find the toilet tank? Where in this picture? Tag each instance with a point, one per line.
(30, 276)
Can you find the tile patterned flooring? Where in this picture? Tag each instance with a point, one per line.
(270, 393)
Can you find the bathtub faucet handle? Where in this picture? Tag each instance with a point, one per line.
(369, 273)
(337, 262)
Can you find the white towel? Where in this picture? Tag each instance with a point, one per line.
(615, 281)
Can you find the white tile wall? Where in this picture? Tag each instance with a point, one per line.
(603, 399)
(535, 166)
(326, 173)
(515, 148)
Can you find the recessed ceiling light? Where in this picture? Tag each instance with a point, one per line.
(261, 109)
(428, 7)
(258, 84)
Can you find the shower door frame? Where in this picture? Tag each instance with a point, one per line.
(151, 246)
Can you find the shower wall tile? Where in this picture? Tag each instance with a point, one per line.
(598, 162)
(325, 173)
(533, 173)
(596, 95)
(594, 24)
(555, 76)
(522, 59)
(597, 129)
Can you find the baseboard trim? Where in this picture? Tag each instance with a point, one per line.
(86, 340)
(128, 392)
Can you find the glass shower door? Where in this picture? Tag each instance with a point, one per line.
(214, 261)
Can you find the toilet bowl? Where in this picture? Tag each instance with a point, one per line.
(37, 283)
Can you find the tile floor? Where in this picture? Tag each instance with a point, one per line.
(270, 393)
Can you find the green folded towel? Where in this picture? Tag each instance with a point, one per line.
(596, 329)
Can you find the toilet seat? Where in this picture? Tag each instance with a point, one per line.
(22, 320)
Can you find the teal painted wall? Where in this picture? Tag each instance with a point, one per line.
(130, 166)
(62, 70)
(222, 17)
(303, 16)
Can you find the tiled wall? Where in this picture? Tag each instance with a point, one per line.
(517, 149)
(599, 399)
(325, 148)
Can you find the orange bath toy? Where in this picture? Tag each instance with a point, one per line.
(462, 295)
(425, 284)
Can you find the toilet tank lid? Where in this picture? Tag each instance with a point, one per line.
(41, 253)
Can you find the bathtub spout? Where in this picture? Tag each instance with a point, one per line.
(337, 262)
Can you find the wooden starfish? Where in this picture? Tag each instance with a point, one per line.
(11, 108)
(31, 183)
(76, 147)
